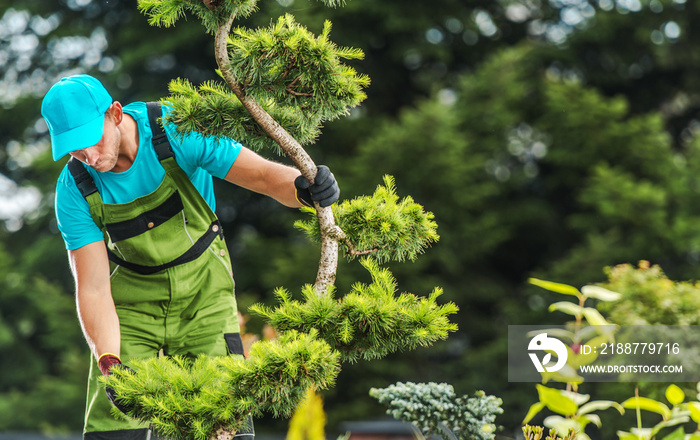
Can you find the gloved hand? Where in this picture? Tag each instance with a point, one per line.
(107, 363)
(247, 431)
(325, 189)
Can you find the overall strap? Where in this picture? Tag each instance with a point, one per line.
(160, 140)
(83, 179)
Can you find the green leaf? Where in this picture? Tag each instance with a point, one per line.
(535, 408)
(567, 307)
(556, 402)
(600, 293)
(562, 424)
(599, 405)
(674, 394)
(579, 399)
(678, 434)
(590, 418)
(694, 408)
(649, 405)
(594, 317)
(564, 289)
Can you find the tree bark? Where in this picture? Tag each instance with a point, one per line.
(330, 232)
(223, 434)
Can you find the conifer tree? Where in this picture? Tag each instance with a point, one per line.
(279, 85)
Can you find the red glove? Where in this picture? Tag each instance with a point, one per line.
(106, 361)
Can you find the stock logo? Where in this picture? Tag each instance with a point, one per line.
(543, 343)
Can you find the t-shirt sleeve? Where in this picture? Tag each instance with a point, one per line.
(73, 214)
(215, 155)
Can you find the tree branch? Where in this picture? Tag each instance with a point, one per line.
(292, 92)
(353, 251)
(330, 232)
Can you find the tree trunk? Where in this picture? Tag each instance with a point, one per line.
(330, 232)
(223, 434)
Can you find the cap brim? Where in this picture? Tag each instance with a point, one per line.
(84, 136)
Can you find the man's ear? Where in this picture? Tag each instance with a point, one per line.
(116, 112)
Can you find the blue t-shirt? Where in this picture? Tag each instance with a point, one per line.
(200, 157)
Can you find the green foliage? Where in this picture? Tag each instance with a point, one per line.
(588, 327)
(572, 410)
(290, 66)
(434, 408)
(369, 322)
(638, 292)
(296, 77)
(531, 166)
(166, 12)
(380, 225)
(680, 413)
(193, 398)
(309, 419)
(42, 353)
(649, 297)
(212, 109)
(280, 372)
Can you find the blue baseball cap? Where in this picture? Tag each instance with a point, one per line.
(74, 109)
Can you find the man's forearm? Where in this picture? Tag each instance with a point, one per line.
(272, 179)
(99, 321)
(96, 311)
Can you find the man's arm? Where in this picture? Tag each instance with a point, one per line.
(263, 176)
(96, 311)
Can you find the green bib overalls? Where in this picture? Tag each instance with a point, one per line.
(171, 279)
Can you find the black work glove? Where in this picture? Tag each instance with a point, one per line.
(108, 363)
(325, 189)
(247, 431)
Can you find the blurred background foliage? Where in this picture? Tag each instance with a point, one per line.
(551, 138)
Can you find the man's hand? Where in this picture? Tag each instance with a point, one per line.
(108, 362)
(325, 189)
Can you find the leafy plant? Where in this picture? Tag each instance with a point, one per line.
(281, 66)
(369, 322)
(589, 327)
(435, 409)
(678, 414)
(649, 297)
(196, 398)
(380, 226)
(573, 411)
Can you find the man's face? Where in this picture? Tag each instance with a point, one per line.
(103, 155)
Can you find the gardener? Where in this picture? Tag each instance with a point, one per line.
(135, 206)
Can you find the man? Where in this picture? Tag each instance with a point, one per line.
(135, 206)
